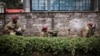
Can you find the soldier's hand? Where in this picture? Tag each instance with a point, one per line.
(10, 28)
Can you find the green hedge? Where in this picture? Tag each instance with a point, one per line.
(58, 46)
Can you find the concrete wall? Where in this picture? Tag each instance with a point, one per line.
(33, 22)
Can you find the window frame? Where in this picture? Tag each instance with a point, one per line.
(95, 9)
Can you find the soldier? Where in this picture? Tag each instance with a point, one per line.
(88, 30)
(48, 33)
(44, 32)
(13, 27)
(91, 30)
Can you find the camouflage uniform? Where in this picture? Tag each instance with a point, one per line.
(11, 28)
(84, 31)
(44, 32)
(89, 30)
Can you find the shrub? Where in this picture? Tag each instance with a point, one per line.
(58, 46)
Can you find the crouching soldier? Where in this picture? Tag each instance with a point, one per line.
(91, 30)
(13, 27)
(44, 31)
(48, 33)
(88, 30)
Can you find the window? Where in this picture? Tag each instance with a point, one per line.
(39, 4)
(62, 5)
(99, 4)
(13, 3)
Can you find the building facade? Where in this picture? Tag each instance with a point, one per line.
(59, 14)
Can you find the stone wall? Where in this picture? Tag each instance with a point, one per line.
(33, 22)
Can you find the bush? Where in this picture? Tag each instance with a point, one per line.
(22, 46)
